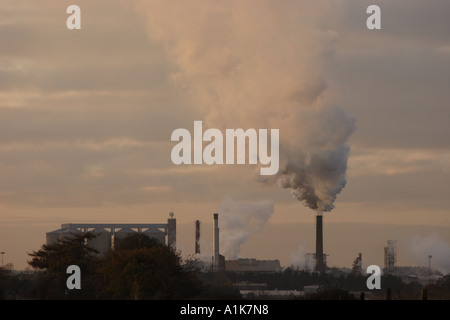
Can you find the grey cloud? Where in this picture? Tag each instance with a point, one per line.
(149, 122)
(395, 80)
(111, 82)
(427, 190)
(405, 20)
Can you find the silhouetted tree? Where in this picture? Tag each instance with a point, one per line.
(55, 258)
(136, 241)
(58, 256)
(142, 268)
(138, 267)
(5, 280)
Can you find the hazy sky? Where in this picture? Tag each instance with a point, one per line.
(86, 118)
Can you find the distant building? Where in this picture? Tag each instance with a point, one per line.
(357, 265)
(271, 294)
(252, 265)
(390, 256)
(108, 234)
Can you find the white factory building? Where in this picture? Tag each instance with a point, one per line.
(107, 234)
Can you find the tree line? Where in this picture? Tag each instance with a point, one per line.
(139, 267)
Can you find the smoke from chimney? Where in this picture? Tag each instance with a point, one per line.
(264, 64)
(240, 220)
(420, 247)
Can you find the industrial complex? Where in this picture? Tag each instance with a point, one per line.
(107, 234)
(166, 233)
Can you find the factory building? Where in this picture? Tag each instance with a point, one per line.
(158, 234)
(252, 265)
(102, 240)
(108, 234)
(240, 265)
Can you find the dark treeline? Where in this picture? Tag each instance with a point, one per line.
(138, 267)
(141, 268)
(329, 283)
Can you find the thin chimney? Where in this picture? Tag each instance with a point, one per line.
(216, 242)
(197, 237)
(320, 267)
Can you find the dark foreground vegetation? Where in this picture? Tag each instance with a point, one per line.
(141, 268)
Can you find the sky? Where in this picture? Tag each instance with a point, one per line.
(86, 118)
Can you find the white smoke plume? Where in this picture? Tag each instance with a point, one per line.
(297, 259)
(238, 220)
(421, 247)
(264, 64)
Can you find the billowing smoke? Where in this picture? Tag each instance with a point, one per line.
(316, 174)
(238, 220)
(264, 64)
(421, 247)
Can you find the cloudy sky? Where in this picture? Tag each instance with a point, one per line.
(86, 118)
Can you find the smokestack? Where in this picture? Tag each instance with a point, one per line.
(172, 231)
(390, 256)
(197, 237)
(320, 267)
(216, 242)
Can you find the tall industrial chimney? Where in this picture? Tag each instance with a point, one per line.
(216, 243)
(197, 237)
(172, 231)
(320, 266)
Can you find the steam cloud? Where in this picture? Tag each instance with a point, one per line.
(420, 247)
(297, 259)
(264, 64)
(238, 221)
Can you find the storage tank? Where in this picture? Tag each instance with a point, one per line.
(68, 233)
(53, 236)
(122, 233)
(102, 241)
(156, 234)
